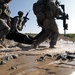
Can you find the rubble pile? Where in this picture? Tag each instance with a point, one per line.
(66, 56)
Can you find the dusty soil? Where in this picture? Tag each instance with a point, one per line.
(27, 60)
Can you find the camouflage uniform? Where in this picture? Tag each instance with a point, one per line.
(4, 15)
(46, 20)
(16, 25)
(17, 22)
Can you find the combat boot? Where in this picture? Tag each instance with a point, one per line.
(31, 37)
(51, 46)
(35, 45)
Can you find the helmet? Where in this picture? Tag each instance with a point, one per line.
(52, 1)
(20, 13)
(7, 1)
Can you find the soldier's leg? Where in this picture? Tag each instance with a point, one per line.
(54, 36)
(42, 38)
(4, 28)
(9, 36)
(18, 37)
(38, 35)
(46, 34)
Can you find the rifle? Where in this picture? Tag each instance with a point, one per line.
(25, 17)
(64, 17)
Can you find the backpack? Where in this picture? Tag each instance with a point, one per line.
(12, 20)
(40, 10)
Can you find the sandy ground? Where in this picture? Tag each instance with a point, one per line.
(26, 60)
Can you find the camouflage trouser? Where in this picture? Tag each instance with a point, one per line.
(18, 37)
(38, 35)
(4, 28)
(51, 32)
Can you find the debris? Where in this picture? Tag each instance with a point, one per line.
(66, 56)
(2, 62)
(41, 59)
(15, 56)
(13, 68)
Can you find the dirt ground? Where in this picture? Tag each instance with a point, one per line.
(27, 61)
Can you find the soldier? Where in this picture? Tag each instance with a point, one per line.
(46, 11)
(17, 22)
(17, 25)
(4, 18)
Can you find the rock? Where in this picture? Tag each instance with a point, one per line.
(1, 46)
(70, 53)
(70, 57)
(13, 68)
(8, 57)
(2, 62)
(48, 55)
(41, 59)
(15, 56)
